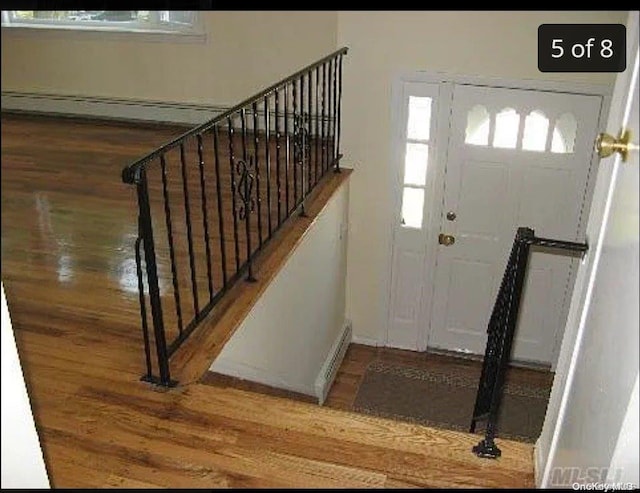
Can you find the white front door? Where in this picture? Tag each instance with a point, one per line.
(514, 158)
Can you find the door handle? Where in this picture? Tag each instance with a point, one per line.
(607, 145)
(446, 240)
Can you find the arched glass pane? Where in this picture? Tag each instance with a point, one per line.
(536, 127)
(415, 164)
(419, 118)
(564, 134)
(507, 123)
(412, 205)
(477, 126)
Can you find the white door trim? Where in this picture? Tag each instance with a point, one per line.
(508, 83)
(436, 173)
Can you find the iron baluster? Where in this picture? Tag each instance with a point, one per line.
(339, 120)
(267, 150)
(146, 230)
(205, 220)
(223, 253)
(301, 153)
(317, 123)
(172, 256)
(287, 148)
(303, 178)
(309, 182)
(187, 212)
(323, 135)
(148, 377)
(296, 148)
(278, 181)
(334, 64)
(256, 146)
(246, 171)
(233, 193)
(329, 102)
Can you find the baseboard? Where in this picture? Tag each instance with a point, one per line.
(113, 108)
(365, 341)
(538, 464)
(329, 369)
(124, 109)
(258, 375)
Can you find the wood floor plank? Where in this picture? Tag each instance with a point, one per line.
(68, 227)
(362, 429)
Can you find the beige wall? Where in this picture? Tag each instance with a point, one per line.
(497, 44)
(243, 52)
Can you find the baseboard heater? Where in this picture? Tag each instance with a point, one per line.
(330, 368)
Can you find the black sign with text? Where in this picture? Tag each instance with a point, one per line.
(582, 48)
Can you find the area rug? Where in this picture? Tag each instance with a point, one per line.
(445, 400)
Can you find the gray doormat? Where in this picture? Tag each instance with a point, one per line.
(446, 400)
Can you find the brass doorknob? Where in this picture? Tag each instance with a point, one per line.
(606, 145)
(446, 240)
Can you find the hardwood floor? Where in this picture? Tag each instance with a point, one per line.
(357, 359)
(68, 227)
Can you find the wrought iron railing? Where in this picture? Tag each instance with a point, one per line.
(500, 332)
(209, 200)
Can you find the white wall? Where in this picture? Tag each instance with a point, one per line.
(624, 462)
(22, 460)
(244, 52)
(588, 421)
(287, 336)
(383, 44)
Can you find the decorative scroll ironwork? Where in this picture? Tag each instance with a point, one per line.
(301, 151)
(500, 333)
(301, 144)
(246, 171)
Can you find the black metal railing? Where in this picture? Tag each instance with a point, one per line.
(209, 200)
(500, 333)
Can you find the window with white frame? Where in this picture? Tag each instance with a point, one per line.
(103, 20)
(416, 160)
(535, 135)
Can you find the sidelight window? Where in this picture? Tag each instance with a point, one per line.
(416, 160)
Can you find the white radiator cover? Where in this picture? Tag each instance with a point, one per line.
(330, 368)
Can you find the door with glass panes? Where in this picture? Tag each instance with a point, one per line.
(513, 158)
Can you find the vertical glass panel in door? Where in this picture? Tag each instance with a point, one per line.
(477, 126)
(507, 124)
(412, 205)
(536, 128)
(564, 134)
(419, 118)
(415, 164)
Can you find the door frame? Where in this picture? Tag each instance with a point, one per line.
(436, 174)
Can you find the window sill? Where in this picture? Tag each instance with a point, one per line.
(104, 33)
